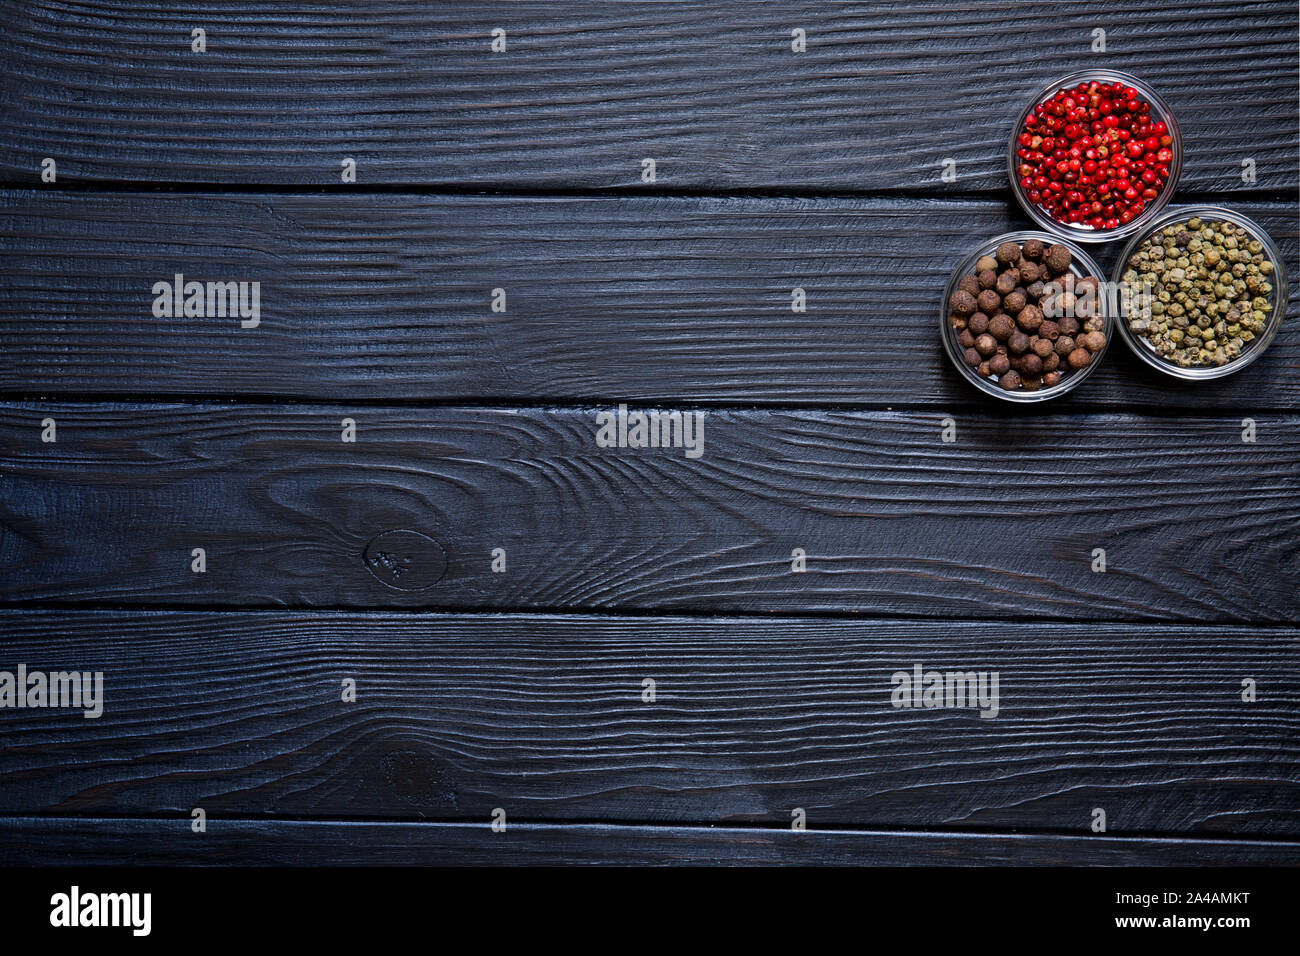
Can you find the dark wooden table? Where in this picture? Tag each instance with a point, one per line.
(524, 691)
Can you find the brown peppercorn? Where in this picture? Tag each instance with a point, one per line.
(987, 280)
(985, 263)
(1035, 289)
(978, 323)
(986, 345)
(1031, 383)
(1079, 358)
(1041, 347)
(1008, 254)
(973, 358)
(1014, 302)
(987, 302)
(1030, 318)
(1064, 345)
(1051, 362)
(1069, 325)
(1031, 364)
(1034, 250)
(1093, 341)
(969, 284)
(962, 302)
(1049, 330)
(1057, 258)
(1028, 271)
(1052, 378)
(1001, 326)
(1010, 381)
(983, 369)
(966, 339)
(958, 322)
(999, 364)
(1018, 342)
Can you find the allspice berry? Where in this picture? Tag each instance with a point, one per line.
(1030, 318)
(1001, 326)
(999, 315)
(1079, 358)
(1057, 258)
(961, 302)
(1008, 254)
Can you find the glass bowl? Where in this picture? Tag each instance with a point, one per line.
(1255, 348)
(1081, 265)
(1159, 110)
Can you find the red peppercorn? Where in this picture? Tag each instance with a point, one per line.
(1102, 160)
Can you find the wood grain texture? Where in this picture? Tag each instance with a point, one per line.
(711, 90)
(107, 842)
(388, 298)
(1198, 525)
(456, 715)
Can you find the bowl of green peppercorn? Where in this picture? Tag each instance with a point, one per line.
(1201, 292)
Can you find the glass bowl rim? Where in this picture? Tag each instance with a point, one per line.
(1280, 289)
(1153, 209)
(949, 335)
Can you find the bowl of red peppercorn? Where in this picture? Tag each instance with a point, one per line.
(1025, 317)
(1095, 155)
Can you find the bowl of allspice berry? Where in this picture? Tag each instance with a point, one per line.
(1025, 317)
(1201, 292)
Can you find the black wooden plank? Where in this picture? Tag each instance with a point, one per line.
(584, 92)
(456, 715)
(107, 842)
(389, 297)
(1198, 525)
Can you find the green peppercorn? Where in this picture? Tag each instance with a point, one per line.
(1210, 293)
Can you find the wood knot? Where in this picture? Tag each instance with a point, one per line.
(406, 560)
